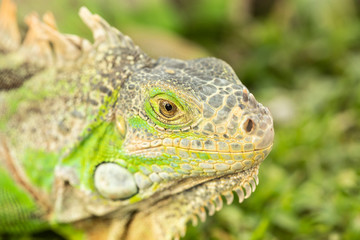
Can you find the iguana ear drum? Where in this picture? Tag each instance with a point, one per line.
(114, 182)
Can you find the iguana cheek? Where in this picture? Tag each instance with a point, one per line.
(114, 182)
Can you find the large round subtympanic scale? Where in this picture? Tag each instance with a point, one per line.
(114, 182)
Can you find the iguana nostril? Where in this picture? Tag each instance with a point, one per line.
(249, 126)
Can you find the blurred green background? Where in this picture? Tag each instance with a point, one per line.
(299, 57)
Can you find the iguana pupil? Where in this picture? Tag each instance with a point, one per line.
(168, 106)
(168, 109)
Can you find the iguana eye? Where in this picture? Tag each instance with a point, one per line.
(167, 109)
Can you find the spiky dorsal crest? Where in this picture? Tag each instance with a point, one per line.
(111, 43)
(103, 33)
(45, 46)
(9, 31)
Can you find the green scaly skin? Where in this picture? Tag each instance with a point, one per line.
(101, 141)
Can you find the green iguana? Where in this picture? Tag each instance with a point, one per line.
(100, 141)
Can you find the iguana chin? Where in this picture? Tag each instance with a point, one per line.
(101, 137)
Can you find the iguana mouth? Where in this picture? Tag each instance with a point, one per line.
(141, 151)
(212, 162)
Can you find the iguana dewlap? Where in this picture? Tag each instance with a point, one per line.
(101, 137)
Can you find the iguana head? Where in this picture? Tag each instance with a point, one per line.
(182, 119)
(166, 128)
